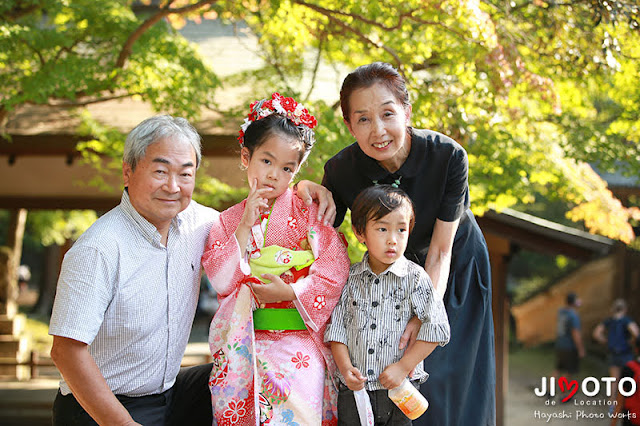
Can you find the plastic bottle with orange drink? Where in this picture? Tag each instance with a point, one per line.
(409, 399)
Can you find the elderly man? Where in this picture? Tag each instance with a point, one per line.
(128, 290)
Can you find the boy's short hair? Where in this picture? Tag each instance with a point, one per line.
(377, 201)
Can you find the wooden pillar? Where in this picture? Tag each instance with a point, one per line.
(499, 251)
(8, 283)
(17, 221)
(51, 269)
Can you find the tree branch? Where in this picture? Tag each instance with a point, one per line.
(19, 12)
(406, 15)
(367, 40)
(66, 49)
(4, 117)
(65, 103)
(127, 48)
(315, 68)
(272, 59)
(357, 17)
(37, 52)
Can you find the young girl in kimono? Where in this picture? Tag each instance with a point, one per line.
(278, 272)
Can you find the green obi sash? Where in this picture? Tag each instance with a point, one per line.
(277, 319)
(276, 260)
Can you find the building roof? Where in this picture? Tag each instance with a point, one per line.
(544, 236)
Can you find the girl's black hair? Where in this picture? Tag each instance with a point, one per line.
(377, 201)
(260, 130)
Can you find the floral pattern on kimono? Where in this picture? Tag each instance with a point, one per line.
(274, 377)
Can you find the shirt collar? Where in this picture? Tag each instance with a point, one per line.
(409, 168)
(399, 268)
(149, 231)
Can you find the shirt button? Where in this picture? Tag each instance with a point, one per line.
(376, 281)
(354, 303)
(370, 372)
(397, 306)
(374, 304)
(370, 351)
(373, 326)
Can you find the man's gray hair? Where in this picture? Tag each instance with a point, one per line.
(153, 130)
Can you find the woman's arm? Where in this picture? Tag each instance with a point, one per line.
(438, 260)
(437, 266)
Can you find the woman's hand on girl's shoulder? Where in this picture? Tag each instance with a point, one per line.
(309, 192)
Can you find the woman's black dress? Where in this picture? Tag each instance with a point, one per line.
(461, 385)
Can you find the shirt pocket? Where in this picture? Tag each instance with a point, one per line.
(358, 316)
(397, 313)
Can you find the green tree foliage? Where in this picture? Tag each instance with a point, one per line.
(76, 52)
(55, 227)
(534, 90)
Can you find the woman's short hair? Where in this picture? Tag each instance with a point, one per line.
(377, 201)
(155, 129)
(366, 76)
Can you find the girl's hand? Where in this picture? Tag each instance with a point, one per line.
(355, 380)
(256, 204)
(393, 375)
(275, 291)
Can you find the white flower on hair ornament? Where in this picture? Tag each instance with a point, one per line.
(287, 107)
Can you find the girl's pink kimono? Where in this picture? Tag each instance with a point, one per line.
(274, 377)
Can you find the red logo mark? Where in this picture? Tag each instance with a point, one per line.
(566, 385)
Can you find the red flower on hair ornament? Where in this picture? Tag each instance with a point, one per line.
(279, 104)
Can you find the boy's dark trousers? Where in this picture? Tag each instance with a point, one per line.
(188, 402)
(385, 412)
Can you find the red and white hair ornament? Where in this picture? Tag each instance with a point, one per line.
(286, 107)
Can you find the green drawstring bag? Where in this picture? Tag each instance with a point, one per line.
(276, 260)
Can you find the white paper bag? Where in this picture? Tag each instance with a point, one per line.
(364, 407)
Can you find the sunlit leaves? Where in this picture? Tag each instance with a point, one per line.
(70, 54)
(58, 226)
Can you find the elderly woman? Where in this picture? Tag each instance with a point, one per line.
(432, 168)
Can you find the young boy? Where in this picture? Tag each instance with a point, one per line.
(383, 292)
